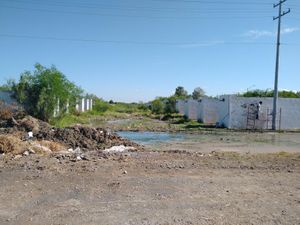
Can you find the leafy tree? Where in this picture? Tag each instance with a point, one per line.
(157, 106)
(170, 106)
(270, 93)
(180, 92)
(42, 89)
(198, 93)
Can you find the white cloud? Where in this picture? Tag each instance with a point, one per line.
(289, 30)
(265, 33)
(258, 33)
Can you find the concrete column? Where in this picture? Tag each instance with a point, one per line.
(58, 108)
(67, 106)
(88, 104)
(82, 104)
(91, 104)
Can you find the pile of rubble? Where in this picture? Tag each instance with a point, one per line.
(33, 135)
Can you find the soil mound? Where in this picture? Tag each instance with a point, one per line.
(86, 138)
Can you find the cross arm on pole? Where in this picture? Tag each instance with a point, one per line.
(284, 13)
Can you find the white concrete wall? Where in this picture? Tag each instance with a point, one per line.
(231, 112)
(180, 106)
(223, 108)
(200, 110)
(239, 112)
(290, 113)
(209, 110)
(192, 109)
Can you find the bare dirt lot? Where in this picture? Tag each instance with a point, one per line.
(146, 187)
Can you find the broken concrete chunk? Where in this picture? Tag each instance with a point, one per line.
(120, 148)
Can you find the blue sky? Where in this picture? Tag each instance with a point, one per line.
(136, 50)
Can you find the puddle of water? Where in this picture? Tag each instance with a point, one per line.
(150, 137)
(220, 138)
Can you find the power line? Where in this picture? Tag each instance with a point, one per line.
(175, 44)
(242, 16)
(160, 9)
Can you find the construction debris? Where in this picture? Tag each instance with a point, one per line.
(28, 135)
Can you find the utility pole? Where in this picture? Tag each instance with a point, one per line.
(275, 99)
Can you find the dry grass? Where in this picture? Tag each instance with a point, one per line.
(12, 144)
(44, 147)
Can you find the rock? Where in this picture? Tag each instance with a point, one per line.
(30, 134)
(31, 151)
(77, 151)
(120, 148)
(124, 172)
(18, 156)
(26, 153)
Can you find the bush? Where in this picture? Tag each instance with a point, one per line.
(157, 106)
(41, 90)
(101, 106)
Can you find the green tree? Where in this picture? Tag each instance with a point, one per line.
(270, 93)
(198, 93)
(42, 90)
(180, 92)
(157, 106)
(170, 106)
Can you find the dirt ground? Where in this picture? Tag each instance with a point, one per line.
(171, 187)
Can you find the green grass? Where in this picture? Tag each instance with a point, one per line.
(68, 120)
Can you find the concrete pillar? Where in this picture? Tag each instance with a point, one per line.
(67, 106)
(77, 105)
(58, 109)
(88, 104)
(82, 104)
(91, 104)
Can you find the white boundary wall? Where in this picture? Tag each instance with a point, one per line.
(231, 111)
(235, 112)
(191, 109)
(180, 106)
(209, 107)
(239, 112)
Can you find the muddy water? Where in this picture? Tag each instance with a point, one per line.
(150, 138)
(218, 141)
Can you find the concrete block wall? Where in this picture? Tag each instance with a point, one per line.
(231, 111)
(180, 106)
(192, 108)
(239, 112)
(209, 108)
(290, 113)
(223, 108)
